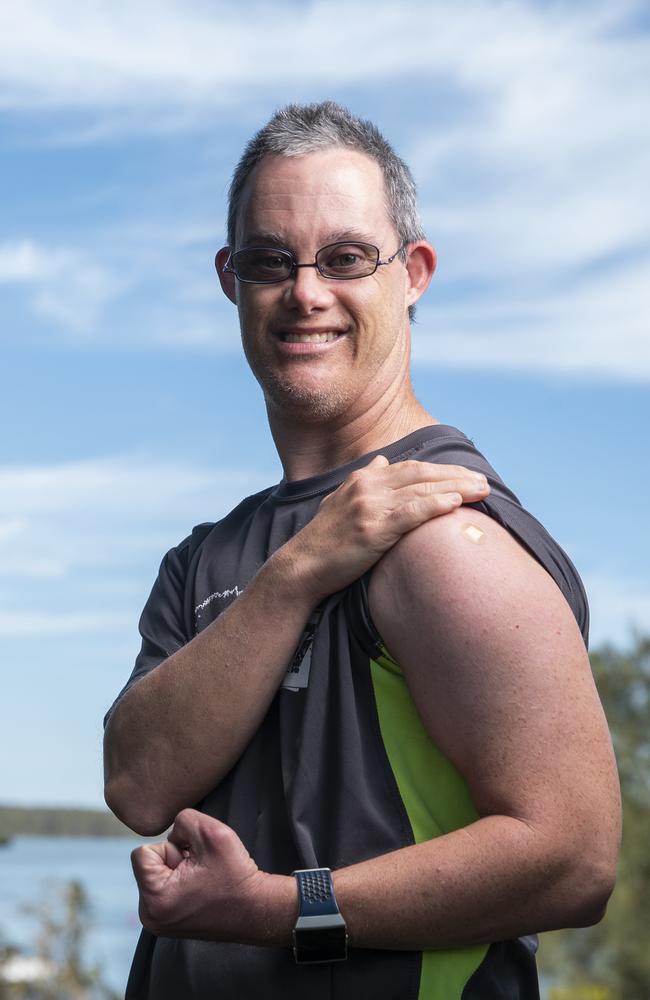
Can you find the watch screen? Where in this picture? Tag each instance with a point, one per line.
(327, 944)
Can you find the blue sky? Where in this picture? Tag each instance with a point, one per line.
(127, 411)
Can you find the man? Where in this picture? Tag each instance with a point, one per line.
(336, 677)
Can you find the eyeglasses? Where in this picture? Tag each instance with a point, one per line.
(340, 261)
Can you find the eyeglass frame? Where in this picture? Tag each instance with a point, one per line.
(229, 269)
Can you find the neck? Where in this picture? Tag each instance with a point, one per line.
(311, 447)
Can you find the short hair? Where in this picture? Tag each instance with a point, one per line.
(298, 129)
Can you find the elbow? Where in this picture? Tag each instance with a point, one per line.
(587, 882)
(132, 809)
(592, 890)
(125, 788)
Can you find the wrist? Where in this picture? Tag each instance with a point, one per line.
(277, 911)
(296, 571)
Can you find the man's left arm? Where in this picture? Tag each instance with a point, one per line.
(499, 673)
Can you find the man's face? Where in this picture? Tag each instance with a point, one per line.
(317, 346)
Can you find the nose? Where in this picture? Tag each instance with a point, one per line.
(308, 291)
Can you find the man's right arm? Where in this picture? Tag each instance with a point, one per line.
(178, 730)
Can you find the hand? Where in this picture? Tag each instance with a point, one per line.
(202, 883)
(370, 511)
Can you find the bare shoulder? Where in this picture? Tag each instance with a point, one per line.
(466, 568)
(494, 661)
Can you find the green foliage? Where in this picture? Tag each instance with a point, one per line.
(587, 992)
(60, 942)
(614, 955)
(623, 681)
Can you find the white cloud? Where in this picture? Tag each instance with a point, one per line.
(172, 56)
(108, 512)
(135, 286)
(599, 326)
(67, 285)
(537, 200)
(80, 542)
(20, 262)
(161, 282)
(533, 171)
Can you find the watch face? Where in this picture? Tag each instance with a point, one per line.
(325, 944)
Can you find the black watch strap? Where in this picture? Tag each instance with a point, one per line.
(320, 933)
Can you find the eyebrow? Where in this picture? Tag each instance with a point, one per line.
(274, 239)
(263, 240)
(345, 235)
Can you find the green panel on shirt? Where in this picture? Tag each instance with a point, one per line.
(436, 800)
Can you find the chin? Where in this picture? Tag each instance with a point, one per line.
(308, 403)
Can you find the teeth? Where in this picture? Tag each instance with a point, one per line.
(309, 338)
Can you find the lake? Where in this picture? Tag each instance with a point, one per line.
(31, 870)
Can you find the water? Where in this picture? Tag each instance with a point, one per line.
(33, 868)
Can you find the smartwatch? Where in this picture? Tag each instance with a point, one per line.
(320, 934)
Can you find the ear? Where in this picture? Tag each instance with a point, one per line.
(420, 265)
(226, 278)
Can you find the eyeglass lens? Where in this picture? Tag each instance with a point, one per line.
(339, 260)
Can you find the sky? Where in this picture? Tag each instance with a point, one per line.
(127, 413)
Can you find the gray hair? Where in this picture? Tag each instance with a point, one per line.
(298, 129)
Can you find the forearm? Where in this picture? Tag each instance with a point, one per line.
(178, 731)
(496, 879)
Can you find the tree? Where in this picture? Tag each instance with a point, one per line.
(60, 945)
(614, 955)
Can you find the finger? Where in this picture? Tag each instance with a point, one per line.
(173, 856)
(196, 833)
(148, 862)
(415, 511)
(431, 472)
(402, 473)
(186, 829)
(377, 462)
(469, 489)
(152, 855)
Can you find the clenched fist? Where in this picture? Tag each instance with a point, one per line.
(202, 883)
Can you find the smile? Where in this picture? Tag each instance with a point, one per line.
(309, 338)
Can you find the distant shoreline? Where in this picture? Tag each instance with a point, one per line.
(52, 821)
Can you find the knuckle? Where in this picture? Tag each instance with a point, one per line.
(413, 514)
(361, 526)
(220, 834)
(408, 511)
(414, 508)
(452, 474)
(356, 476)
(185, 818)
(418, 469)
(361, 508)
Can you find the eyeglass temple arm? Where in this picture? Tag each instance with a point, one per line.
(396, 254)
